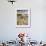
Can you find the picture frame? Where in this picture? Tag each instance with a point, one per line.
(23, 17)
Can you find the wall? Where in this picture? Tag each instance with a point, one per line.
(8, 29)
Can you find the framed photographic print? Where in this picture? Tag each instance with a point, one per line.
(23, 17)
